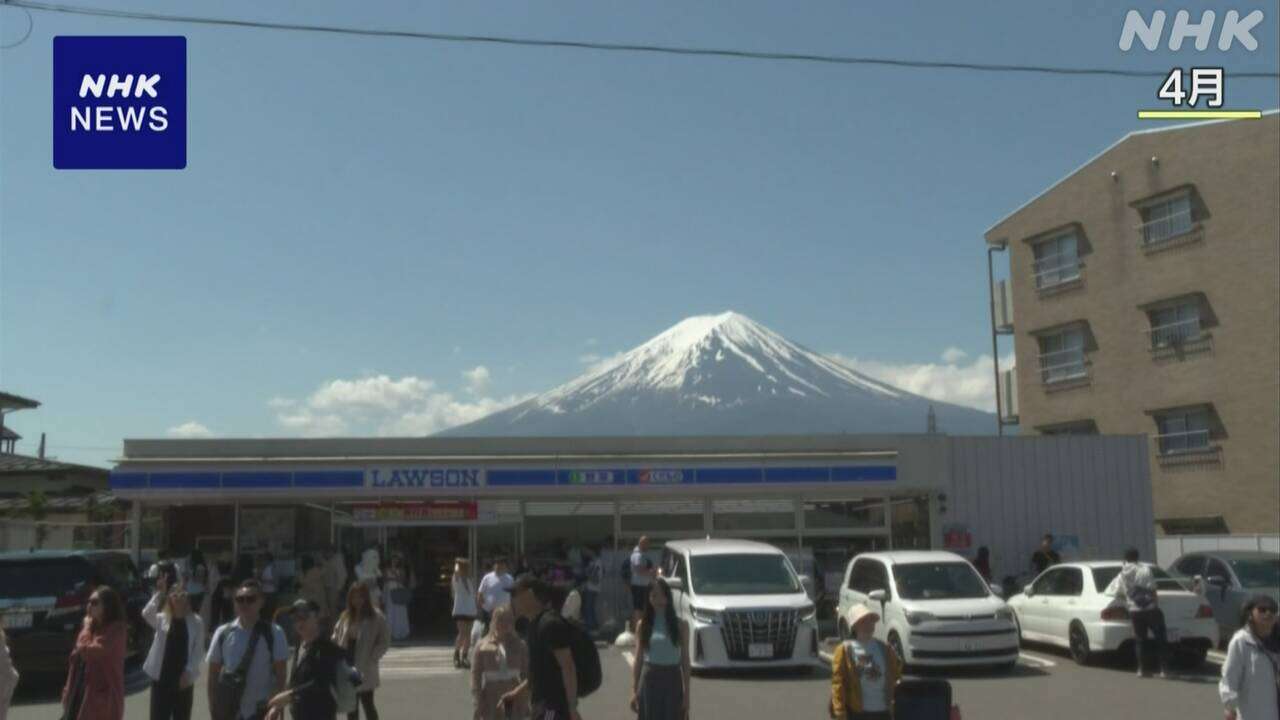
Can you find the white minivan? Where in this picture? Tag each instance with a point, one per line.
(935, 609)
(745, 604)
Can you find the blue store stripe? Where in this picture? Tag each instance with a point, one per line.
(185, 481)
(329, 479)
(256, 480)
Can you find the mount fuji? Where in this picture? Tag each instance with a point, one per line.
(723, 375)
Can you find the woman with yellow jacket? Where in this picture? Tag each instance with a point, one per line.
(863, 671)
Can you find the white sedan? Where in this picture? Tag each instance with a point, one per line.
(1074, 606)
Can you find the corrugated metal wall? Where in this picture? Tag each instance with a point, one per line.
(1011, 491)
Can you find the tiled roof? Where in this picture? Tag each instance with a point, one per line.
(59, 502)
(17, 402)
(13, 464)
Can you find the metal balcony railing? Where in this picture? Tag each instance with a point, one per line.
(1180, 443)
(1061, 365)
(1052, 270)
(1166, 228)
(1174, 335)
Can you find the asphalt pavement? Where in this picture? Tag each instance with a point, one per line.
(419, 683)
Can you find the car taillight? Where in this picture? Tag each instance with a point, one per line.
(70, 603)
(1115, 613)
(1204, 612)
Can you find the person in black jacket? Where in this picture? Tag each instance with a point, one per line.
(315, 670)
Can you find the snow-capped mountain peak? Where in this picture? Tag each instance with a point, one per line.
(722, 373)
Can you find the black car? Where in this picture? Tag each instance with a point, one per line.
(44, 595)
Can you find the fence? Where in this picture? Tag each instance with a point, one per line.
(1169, 549)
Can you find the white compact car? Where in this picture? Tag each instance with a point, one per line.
(1074, 606)
(935, 609)
(745, 604)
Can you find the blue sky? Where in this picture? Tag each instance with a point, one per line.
(365, 222)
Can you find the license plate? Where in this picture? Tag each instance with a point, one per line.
(17, 621)
(1173, 635)
(759, 651)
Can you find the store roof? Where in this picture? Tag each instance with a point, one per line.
(27, 465)
(9, 401)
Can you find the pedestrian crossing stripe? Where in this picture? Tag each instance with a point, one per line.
(417, 662)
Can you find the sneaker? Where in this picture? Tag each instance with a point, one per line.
(1141, 674)
(1164, 675)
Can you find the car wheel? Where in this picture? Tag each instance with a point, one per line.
(1079, 641)
(895, 642)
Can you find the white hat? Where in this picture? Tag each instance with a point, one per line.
(859, 613)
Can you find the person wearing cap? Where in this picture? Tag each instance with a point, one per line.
(314, 674)
(863, 671)
(552, 683)
(1250, 685)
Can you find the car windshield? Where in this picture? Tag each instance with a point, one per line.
(1258, 572)
(1103, 577)
(939, 581)
(39, 579)
(743, 575)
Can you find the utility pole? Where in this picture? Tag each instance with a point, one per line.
(995, 352)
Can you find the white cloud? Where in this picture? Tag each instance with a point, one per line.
(381, 405)
(971, 384)
(953, 355)
(189, 429)
(477, 379)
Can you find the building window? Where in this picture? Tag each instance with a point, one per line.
(1174, 325)
(1167, 218)
(843, 514)
(1057, 260)
(1062, 355)
(1079, 427)
(748, 515)
(663, 518)
(909, 525)
(1183, 431)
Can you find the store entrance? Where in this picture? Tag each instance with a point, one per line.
(429, 553)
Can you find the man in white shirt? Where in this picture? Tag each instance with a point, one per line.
(642, 574)
(265, 674)
(1137, 586)
(494, 591)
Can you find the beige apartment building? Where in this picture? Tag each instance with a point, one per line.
(1146, 288)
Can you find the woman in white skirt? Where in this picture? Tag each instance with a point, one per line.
(464, 611)
(397, 597)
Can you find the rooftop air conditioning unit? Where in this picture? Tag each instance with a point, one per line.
(1003, 297)
(1009, 396)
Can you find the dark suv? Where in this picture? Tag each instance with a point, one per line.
(43, 597)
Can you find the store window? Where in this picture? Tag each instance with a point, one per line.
(270, 530)
(557, 534)
(844, 514)
(671, 518)
(910, 523)
(753, 515)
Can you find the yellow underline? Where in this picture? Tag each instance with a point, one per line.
(1199, 114)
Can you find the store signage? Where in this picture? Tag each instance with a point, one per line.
(663, 477)
(956, 537)
(430, 511)
(593, 477)
(424, 477)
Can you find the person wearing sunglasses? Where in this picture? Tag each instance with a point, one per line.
(173, 663)
(312, 693)
(1250, 685)
(95, 679)
(246, 660)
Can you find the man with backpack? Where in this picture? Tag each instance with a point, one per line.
(563, 662)
(246, 660)
(1137, 586)
(320, 679)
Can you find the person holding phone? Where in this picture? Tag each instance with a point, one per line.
(173, 663)
(864, 671)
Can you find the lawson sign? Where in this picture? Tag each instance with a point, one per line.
(424, 478)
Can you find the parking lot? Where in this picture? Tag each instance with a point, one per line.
(1045, 685)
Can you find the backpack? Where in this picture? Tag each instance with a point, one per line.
(586, 658)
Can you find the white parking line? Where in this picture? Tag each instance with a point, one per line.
(1035, 660)
(1217, 657)
(418, 662)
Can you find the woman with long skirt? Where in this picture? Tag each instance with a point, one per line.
(660, 680)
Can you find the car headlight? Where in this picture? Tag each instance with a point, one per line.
(915, 617)
(1004, 614)
(706, 615)
(808, 612)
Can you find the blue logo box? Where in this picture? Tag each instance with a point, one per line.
(119, 102)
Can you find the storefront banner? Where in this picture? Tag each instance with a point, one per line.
(591, 477)
(430, 511)
(660, 476)
(424, 478)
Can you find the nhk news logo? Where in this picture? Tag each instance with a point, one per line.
(119, 103)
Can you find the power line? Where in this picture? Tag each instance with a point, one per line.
(615, 47)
